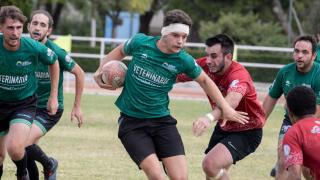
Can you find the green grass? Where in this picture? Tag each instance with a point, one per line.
(95, 152)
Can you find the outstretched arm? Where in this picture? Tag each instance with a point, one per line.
(203, 123)
(294, 172)
(268, 105)
(214, 93)
(76, 112)
(115, 54)
(52, 104)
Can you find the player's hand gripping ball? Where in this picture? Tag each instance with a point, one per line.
(114, 73)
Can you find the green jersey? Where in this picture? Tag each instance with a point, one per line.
(318, 54)
(288, 78)
(17, 78)
(42, 73)
(150, 76)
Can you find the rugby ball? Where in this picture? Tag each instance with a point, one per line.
(114, 73)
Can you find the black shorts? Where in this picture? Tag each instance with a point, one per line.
(240, 144)
(142, 137)
(45, 121)
(286, 125)
(17, 112)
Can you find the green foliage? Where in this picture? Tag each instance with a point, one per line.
(311, 22)
(137, 5)
(244, 29)
(25, 6)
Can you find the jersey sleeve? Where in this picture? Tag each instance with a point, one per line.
(65, 61)
(193, 70)
(184, 78)
(292, 148)
(275, 90)
(46, 55)
(316, 89)
(133, 43)
(240, 81)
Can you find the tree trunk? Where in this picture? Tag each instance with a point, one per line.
(56, 14)
(145, 21)
(194, 33)
(281, 16)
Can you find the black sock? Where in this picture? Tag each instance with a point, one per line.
(21, 166)
(36, 153)
(1, 170)
(32, 169)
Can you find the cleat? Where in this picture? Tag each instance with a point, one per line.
(51, 174)
(24, 177)
(273, 172)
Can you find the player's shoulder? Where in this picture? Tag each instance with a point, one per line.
(238, 70)
(316, 66)
(140, 37)
(54, 47)
(138, 40)
(29, 43)
(288, 68)
(185, 57)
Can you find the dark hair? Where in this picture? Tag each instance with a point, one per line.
(226, 42)
(177, 16)
(308, 38)
(11, 12)
(46, 13)
(301, 101)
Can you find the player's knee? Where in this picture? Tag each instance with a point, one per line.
(2, 157)
(209, 167)
(15, 150)
(155, 175)
(179, 176)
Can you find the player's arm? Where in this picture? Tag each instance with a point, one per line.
(268, 105)
(184, 78)
(318, 111)
(52, 104)
(76, 112)
(214, 93)
(294, 172)
(115, 54)
(203, 123)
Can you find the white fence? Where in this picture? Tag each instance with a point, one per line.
(104, 41)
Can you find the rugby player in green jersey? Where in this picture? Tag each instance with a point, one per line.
(146, 128)
(302, 72)
(19, 57)
(40, 27)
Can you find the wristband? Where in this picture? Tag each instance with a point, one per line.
(210, 117)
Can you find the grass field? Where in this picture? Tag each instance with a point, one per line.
(94, 151)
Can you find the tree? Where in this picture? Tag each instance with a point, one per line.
(112, 9)
(312, 18)
(147, 16)
(24, 6)
(244, 29)
(54, 7)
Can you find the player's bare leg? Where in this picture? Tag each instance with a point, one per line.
(16, 143)
(176, 167)
(217, 162)
(152, 168)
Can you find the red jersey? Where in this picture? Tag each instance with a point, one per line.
(301, 145)
(235, 79)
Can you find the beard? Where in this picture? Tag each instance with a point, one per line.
(219, 68)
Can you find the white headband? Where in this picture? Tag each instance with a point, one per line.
(176, 27)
